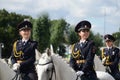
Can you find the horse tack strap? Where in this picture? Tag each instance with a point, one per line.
(53, 70)
(46, 63)
(77, 77)
(17, 76)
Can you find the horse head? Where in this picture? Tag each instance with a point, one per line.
(45, 66)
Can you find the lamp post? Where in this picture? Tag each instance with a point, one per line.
(119, 38)
(1, 46)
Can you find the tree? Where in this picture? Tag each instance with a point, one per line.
(57, 31)
(73, 36)
(117, 37)
(98, 41)
(41, 32)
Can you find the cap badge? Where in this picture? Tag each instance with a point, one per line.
(26, 26)
(107, 39)
(85, 26)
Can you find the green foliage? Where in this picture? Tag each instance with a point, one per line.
(61, 50)
(73, 36)
(117, 37)
(41, 32)
(98, 41)
(57, 30)
(96, 38)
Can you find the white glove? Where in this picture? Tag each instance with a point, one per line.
(103, 60)
(16, 66)
(79, 73)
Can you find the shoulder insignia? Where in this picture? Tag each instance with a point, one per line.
(103, 50)
(75, 52)
(16, 53)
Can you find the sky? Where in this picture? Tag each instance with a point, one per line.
(104, 15)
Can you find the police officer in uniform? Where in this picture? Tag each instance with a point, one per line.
(83, 52)
(23, 54)
(110, 57)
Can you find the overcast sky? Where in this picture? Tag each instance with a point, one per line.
(103, 14)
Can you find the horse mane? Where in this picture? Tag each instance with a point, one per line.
(63, 69)
(98, 64)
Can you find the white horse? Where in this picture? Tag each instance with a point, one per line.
(98, 64)
(53, 67)
(6, 73)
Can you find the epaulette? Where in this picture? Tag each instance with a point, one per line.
(103, 50)
(16, 53)
(75, 54)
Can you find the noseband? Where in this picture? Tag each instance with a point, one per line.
(53, 69)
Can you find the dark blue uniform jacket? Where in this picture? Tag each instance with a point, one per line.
(86, 53)
(27, 55)
(112, 59)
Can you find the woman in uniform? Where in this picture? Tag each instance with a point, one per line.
(83, 52)
(110, 57)
(23, 54)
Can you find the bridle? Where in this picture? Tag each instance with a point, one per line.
(53, 69)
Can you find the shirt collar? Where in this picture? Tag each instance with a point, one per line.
(109, 47)
(82, 41)
(23, 40)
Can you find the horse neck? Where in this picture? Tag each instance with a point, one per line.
(62, 69)
(5, 72)
(98, 64)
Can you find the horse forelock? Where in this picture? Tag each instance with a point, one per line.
(44, 67)
(44, 58)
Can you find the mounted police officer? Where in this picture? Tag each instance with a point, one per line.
(83, 52)
(110, 57)
(23, 55)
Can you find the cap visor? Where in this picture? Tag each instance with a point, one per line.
(83, 29)
(28, 28)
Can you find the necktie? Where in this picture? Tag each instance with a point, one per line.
(24, 42)
(109, 51)
(82, 44)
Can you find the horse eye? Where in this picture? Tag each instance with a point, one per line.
(47, 70)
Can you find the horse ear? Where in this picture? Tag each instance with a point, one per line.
(51, 48)
(48, 52)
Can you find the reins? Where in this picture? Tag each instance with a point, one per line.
(17, 76)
